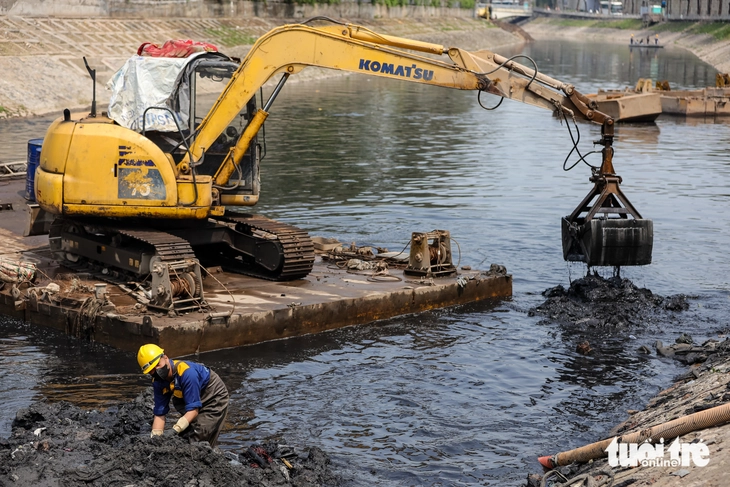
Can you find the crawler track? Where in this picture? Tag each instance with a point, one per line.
(296, 248)
(99, 247)
(266, 249)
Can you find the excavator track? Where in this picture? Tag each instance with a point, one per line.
(131, 254)
(167, 247)
(256, 246)
(296, 247)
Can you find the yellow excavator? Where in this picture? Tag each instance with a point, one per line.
(154, 205)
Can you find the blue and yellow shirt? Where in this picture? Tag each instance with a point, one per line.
(188, 380)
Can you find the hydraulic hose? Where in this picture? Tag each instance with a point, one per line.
(669, 430)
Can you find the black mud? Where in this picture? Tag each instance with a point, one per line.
(596, 302)
(60, 444)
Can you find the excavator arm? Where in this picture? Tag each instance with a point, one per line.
(598, 232)
(289, 49)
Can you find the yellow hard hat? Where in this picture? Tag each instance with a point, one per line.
(149, 356)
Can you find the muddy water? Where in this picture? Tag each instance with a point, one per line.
(470, 395)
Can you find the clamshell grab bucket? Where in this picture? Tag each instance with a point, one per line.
(605, 229)
(608, 242)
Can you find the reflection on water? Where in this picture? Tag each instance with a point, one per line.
(590, 66)
(470, 395)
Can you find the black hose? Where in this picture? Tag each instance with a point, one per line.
(581, 157)
(322, 17)
(479, 95)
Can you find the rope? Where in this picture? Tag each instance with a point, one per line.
(85, 317)
(381, 274)
(379, 268)
(16, 271)
(233, 300)
(458, 247)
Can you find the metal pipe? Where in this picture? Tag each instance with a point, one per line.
(363, 34)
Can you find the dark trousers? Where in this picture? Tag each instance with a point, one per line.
(211, 416)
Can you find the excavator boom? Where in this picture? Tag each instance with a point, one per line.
(291, 48)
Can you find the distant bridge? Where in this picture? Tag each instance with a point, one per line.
(504, 10)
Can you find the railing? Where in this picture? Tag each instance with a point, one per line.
(504, 9)
(576, 14)
(12, 170)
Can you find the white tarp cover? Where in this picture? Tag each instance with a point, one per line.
(145, 82)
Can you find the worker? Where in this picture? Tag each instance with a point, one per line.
(656, 39)
(197, 393)
(632, 39)
(648, 38)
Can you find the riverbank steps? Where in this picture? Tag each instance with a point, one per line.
(42, 68)
(49, 52)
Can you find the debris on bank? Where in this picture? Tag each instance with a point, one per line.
(596, 302)
(684, 350)
(59, 444)
(704, 387)
(699, 400)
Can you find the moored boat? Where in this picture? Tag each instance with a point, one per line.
(627, 106)
(696, 103)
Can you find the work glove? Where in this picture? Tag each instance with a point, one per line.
(156, 433)
(181, 425)
(169, 433)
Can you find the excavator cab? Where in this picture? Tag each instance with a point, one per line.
(197, 89)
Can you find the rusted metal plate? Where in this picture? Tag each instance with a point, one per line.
(250, 310)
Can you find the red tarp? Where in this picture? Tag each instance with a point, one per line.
(175, 48)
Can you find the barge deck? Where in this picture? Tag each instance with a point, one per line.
(242, 310)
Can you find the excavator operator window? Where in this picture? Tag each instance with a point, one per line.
(207, 81)
(197, 89)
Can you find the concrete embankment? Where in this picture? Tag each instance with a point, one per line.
(711, 50)
(42, 68)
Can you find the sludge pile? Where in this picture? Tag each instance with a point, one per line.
(595, 302)
(62, 445)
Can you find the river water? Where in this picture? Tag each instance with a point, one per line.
(470, 395)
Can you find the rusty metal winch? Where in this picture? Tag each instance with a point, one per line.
(430, 254)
